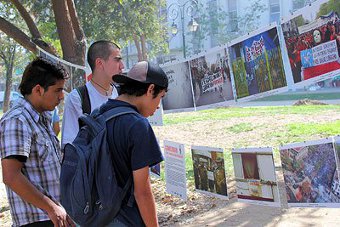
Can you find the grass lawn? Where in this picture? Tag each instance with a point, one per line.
(237, 127)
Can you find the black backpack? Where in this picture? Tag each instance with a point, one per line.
(88, 181)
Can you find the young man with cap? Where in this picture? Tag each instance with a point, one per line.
(131, 137)
(105, 60)
(30, 152)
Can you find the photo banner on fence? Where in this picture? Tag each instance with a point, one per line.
(175, 171)
(257, 64)
(312, 40)
(211, 79)
(310, 173)
(255, 176)
(209, 171)
(179, 95)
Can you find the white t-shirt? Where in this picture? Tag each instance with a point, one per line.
(73, 110)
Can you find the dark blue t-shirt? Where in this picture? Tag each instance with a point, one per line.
(132, 139)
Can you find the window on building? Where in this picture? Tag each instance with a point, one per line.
(274, 6)
(232, 12)
(298, 4)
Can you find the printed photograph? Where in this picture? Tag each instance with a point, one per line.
(255, 176)
(257, 64)
(211, 78)
(310, 173)
(179, 95)
(209, 170)
(312, 40)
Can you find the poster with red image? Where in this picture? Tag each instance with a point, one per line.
(312, 39)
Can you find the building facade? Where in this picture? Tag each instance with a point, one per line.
(219, 21)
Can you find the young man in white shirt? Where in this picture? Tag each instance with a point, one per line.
(105, 60)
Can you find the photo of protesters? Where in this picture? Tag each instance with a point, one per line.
(310, 173)
(209, 170)
(257, 64)
(312, 40)
(211, 78)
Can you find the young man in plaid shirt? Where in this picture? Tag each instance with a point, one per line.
(30, 152)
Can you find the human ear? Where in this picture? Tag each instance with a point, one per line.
(150, 90)
(39, 90)
(98, 61)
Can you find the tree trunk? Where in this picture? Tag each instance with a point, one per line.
(144, 49)
(65, 29)
(80, 42)
(9, 76)
(71, 37)
(139, 51)
(78, 31)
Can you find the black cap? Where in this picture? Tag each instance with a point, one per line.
(144, 72)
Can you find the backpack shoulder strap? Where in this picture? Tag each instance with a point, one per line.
(117, 111)
(85, 99)
(97, 121)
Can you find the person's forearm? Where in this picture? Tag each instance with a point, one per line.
(147, 208)
(26, 190)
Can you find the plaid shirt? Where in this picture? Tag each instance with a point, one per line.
(25, 132)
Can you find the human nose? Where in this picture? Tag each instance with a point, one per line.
(61, 96)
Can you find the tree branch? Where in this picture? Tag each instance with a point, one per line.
(144, 49)
(139, 51)
(15, 33)
(75, 21)
(28, 19)
(65, 29)
(20, 37)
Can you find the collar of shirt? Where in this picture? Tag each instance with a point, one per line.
(45, 116)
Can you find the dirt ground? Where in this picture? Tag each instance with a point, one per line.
(201, 210)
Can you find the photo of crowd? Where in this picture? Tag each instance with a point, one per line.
(211, 78)
(310, 173)
(255, 176)
(209, 170)
(313, 41)
(257, 64)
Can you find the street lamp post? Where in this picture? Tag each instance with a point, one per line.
(177, 9)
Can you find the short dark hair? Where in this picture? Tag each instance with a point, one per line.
(99, 49)
(43, 72)
(136, 88)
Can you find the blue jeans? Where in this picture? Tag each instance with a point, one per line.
(116, 223)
